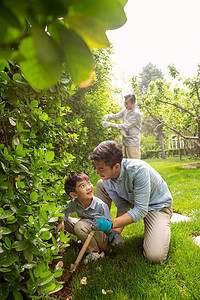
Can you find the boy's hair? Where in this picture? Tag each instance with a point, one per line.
(109, 151)
(131, 97)
(72, 179)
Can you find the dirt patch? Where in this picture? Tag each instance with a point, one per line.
(191, 165)
(66, 292)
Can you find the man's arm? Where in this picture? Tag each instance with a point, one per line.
(117, 116)
(122, 220)
(132, 121)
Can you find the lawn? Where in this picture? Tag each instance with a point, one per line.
(125, 274)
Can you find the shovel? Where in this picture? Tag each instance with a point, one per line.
(80, 255)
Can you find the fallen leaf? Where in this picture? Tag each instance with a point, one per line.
(103, 292)
(84, 281)
(109, 291)
(59, 264)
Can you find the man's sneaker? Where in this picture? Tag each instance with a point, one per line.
(94, 256)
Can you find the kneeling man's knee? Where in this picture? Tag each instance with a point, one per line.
(155, 256)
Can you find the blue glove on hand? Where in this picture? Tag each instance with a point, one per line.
(102, 224)
(115, 238)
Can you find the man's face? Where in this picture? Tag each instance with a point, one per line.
(84, 190)
(128, 104)
(106, 172)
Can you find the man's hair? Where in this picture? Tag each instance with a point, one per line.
(131, 97)
(109, 151)
(72, 179)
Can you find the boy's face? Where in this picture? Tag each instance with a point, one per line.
(84, 190)
(106, 172)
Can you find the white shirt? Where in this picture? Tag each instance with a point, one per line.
(131, 127)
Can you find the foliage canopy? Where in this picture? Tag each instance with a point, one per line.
(41, 35)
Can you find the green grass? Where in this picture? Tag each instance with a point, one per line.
(125, 272)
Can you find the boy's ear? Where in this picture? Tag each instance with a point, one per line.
(73, 194)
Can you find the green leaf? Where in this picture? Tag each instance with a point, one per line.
(10, 260)
(7, 242)
(4, 230)
(45, 274)
(28, 255)
(30, 219)
(4, 64)
(45, 280)
(4, 76)
(17, 77)
(42, 63)
(46, 235)
(5, 270)
(49, 156)
(51, 287)
(43, 116)
(21, 153)
(33, 196)
(17, 295)
(25, 169)
(79, 60)
(13, 274)
(4, 290)
(109, 13)
(37, 227)
(6, 213)
(20, 245)
(20, 184)
(91, 31)
(34, 103)
(63, 237)
(58, 288)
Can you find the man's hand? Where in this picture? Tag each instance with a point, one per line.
(105, 124)
(106, 117)
(102, 224)
(115, 238)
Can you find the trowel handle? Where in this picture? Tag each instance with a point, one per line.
(83, 249)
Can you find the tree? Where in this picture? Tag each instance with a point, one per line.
(149, 74)
(177, 108)
(41, 35)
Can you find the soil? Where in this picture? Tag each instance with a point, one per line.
(66, 292)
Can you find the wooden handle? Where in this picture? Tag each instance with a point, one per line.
(83, 249)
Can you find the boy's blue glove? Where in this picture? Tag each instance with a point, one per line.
(115, 238)
(102, 224)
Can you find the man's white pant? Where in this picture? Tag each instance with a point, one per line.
(157, 229)
(132, 152)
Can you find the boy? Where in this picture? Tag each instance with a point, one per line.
(87, 207)
(139, 192)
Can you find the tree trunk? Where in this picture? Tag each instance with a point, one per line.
(185, 151)
(198, 133)
(178, 144)
(161, 140)
(197, 148)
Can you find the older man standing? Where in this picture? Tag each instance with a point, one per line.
(131, 127)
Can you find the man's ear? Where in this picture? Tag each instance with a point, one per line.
(73, 194)
(117, 166)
